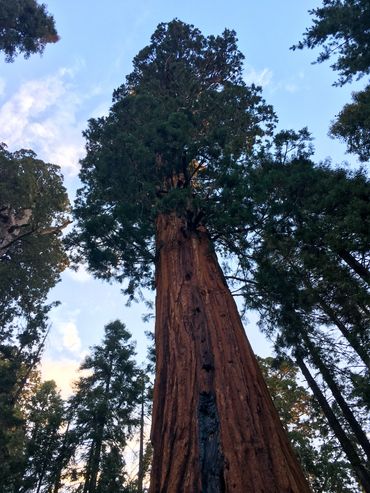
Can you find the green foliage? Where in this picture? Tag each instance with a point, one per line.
(306, 271)
(30, 434)
(342, 28)
(33, 208)
(176, 133)
(33, 211)
(25, 27)
(45, 417)
(12, 442)
(103, 409)
(112, 477)
(353, 124)
(318, 451)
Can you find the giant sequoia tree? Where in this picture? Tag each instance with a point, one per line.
(161, 180)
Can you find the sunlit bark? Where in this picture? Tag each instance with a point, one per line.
(214, 428)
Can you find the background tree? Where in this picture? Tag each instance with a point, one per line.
(342, 29)
(353, 124)
(103, 410)
(165, 165)
(112, 478)
(25, 27)
(308, 250)
(319, 452)
(45, 417)
(33, 211)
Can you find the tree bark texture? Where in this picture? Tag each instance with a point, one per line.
(214, 429)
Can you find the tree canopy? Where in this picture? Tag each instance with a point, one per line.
(173, 141)
(353, 124)
(25, 27)
(325, 464)
(342, 28)
(33, 210)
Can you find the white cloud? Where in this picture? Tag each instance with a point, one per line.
(70, 338)
(64, 372)
(41, 115)
(260, 78)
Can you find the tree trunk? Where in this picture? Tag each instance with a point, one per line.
(214, 429)
(352, 262)
(95, 461)
(362, 474)
(62, 459)
(12, 226)
(349, 335)
(140, 476)
(337, 394)
(87, 474)
(94, 464)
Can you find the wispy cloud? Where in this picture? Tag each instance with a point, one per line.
(290, 87)
(42, 115)
(266, 79)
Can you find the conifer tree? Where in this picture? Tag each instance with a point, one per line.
(25, 27)
(103, 410)
(45, 417)
(342, 29)
(319, 452)
(309, 250)
(161, 187)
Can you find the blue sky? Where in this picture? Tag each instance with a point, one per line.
(45, 103)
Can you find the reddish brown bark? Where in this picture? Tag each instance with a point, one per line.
(215, 429)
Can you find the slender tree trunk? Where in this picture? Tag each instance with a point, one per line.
(35, 358)
(62, 459)
(351, 338)
(95, 462)
(42, 474)
(337, 394)
(214, 429)
(352, 262)
(348, 448)
(88, 469)
(98, 442)
(140, 476)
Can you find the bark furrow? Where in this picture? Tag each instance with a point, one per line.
(214, 424)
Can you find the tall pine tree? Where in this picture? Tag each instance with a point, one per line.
(103, 410)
